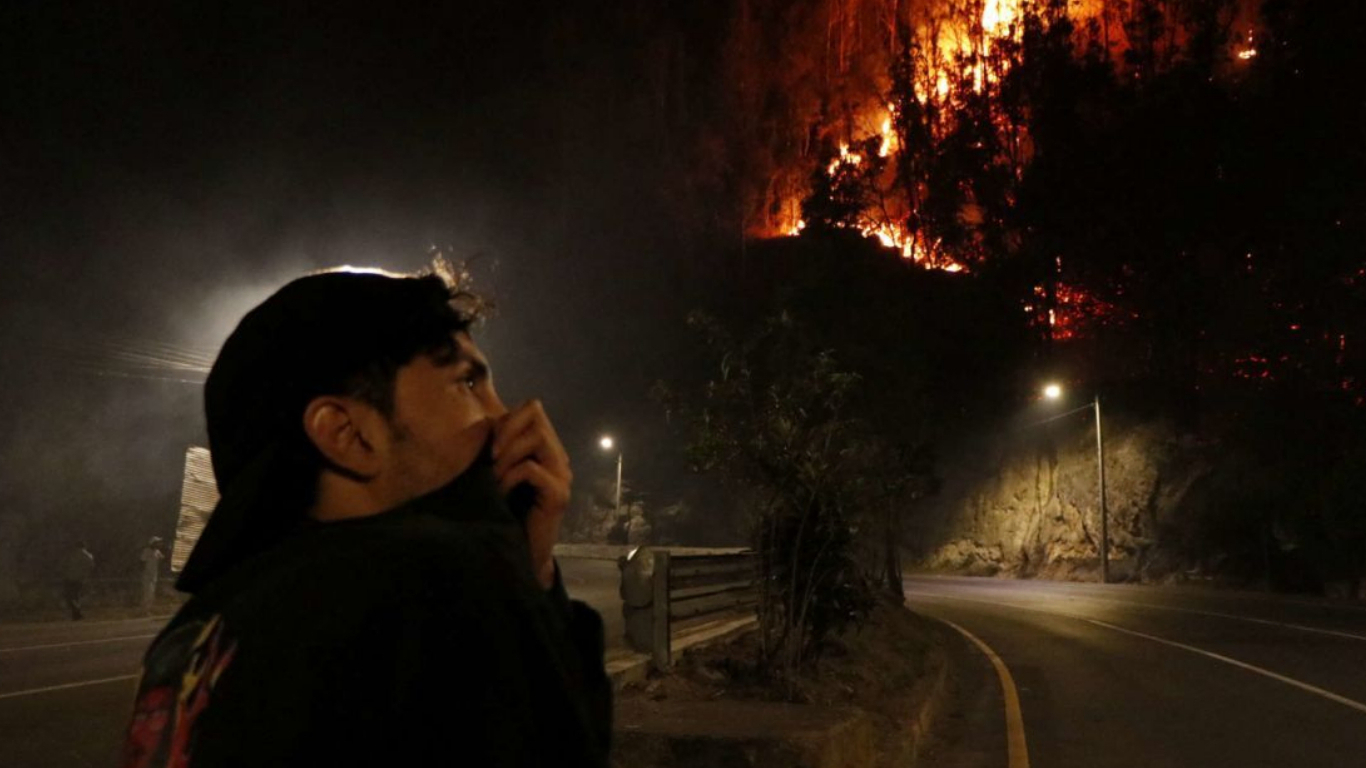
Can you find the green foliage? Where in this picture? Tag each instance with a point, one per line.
(773, 418)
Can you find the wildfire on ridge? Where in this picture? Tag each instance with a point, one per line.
(888, 234)
(999, 21)
(959, 61)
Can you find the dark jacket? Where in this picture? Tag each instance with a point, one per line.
(405, 638)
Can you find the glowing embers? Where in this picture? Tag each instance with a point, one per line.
(910, 247)
(1257, 366)
(851, 159)
(1074, 313)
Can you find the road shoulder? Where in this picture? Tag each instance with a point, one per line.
(868, 702)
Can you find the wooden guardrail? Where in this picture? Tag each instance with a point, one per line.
(659, 587)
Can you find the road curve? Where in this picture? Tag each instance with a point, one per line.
(1121, 675)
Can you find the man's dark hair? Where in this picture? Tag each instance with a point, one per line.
(446, 311)
(440, 309)
(420, 316)
(341, 332)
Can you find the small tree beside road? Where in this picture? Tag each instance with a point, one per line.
(773, 419)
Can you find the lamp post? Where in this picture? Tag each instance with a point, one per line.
(607, 444)
(1054, 392)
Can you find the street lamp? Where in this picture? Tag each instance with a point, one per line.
(607, 444)
(1054, 392)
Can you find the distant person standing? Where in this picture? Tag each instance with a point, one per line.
(151, 570)
(76, 572)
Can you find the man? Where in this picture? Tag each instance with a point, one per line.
(76, 570)
(365, 593)
(151, 558)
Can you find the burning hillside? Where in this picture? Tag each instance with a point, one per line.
(914, 122)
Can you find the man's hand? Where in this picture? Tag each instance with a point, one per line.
(527, 450)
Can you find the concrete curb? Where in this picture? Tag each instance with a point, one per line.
(688, 734)
(631, 669)
(636, 667)
(614, 551)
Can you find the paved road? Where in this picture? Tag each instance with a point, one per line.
(43, 723)
(1119, 675)
(65, 687)
(1106, 676)
(598, 583)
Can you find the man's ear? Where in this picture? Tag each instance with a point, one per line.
(341, 429)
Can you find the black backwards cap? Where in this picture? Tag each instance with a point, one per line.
(315, 336)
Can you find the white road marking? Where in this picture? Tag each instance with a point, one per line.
(1236, 617)
(1343, 700)
(1017, 752)
(1080, 588)
(1216, 614)
(65, 686)
(1210, 654)
(77, 642)
(40, 625)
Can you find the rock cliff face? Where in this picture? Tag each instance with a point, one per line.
(1028, 504)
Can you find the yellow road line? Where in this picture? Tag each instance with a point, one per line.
(82, 684)
(1017, 752)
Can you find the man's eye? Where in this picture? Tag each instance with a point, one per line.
(470, 382)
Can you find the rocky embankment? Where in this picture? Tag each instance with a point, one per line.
(1027, 504)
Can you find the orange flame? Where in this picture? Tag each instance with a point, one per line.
(958, 67)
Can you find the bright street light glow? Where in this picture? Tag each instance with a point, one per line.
(606, 443)
(1052, 391)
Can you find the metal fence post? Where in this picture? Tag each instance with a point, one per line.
(663, 656)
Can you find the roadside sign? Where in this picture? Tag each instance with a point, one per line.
(198, 495)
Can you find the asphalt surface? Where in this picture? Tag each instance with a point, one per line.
(598, 583)
(43, 723)
(1121, 675)
(1105, 676)
(66, 688)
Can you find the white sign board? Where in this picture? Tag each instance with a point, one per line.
(198, 496)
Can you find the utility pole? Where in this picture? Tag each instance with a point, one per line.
(618, 510)
(1104, 513)
(607, 444)
(1054, 392)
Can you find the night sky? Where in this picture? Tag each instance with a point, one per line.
(164, 168)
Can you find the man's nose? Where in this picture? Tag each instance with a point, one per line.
(493, 405)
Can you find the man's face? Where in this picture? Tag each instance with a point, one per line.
(444, 409)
